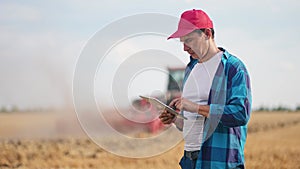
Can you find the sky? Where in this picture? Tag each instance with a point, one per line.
(41, 43)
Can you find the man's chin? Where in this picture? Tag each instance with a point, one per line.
(194, 56)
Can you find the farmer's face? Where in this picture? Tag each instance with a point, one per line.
(197, 42)
(190, 51)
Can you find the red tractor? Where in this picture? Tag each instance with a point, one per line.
(140, 118)
(149, 113)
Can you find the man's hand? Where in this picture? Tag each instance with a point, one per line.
(167, 118)
(187, 105)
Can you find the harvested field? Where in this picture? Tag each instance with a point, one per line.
(273, 142)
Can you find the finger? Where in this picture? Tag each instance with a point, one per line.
(165, 120)
(170, 115)
(168, 121)
(178, 104)
(165, 112)
(167, 117)
(163, 116)
(173, 101)
(179, 101)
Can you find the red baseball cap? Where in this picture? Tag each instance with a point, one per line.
(191, 20)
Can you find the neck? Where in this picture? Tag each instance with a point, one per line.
(211, 51)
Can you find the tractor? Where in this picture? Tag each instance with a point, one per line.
(142, 117)
(149, 113)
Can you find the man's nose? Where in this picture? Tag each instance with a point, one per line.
(185, 47)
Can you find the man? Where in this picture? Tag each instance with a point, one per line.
(218, 90)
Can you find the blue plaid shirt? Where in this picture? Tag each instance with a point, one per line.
(225, 129)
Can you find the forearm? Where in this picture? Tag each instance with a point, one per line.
(232, 115)
(203, 110)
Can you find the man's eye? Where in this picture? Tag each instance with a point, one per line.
(188, 40)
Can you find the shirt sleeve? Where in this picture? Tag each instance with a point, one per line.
(236, 110)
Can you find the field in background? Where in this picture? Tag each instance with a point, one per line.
(273, 142)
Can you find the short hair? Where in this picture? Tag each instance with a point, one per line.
(203, 30)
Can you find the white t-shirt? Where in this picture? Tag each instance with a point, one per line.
(196, 89)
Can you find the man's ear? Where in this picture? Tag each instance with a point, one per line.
(208, 33)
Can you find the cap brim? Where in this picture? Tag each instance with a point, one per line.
(180, 33)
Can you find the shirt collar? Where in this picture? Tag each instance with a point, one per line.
(226, 55)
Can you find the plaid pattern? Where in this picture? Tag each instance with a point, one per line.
(225, 129)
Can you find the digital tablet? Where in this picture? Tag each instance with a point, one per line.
(157, 102)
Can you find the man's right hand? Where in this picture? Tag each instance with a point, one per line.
(167, 118)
